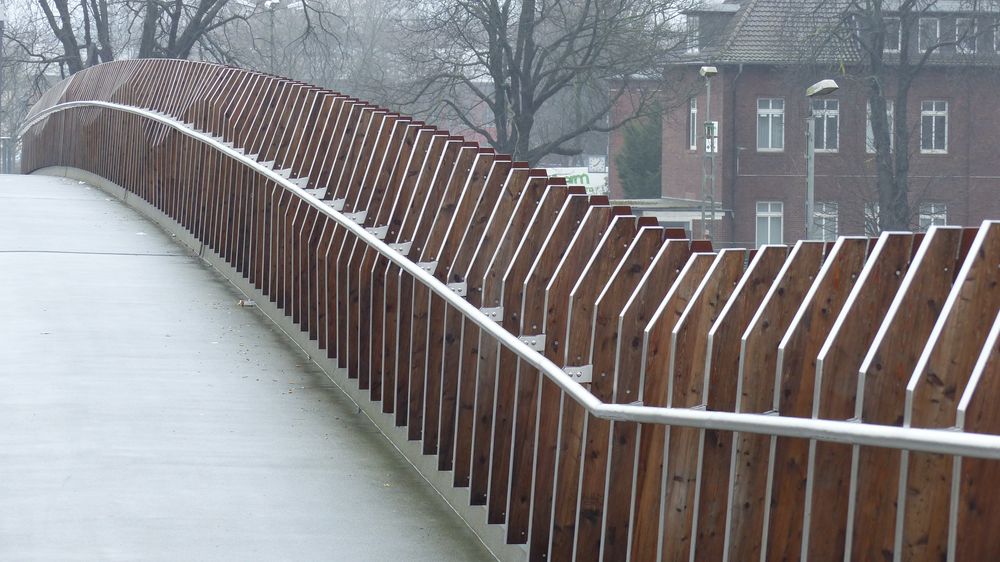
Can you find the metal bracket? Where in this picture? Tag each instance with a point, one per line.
(379, 232)
(461, 288)
(401, 247)
(285, 173)
(428, 266)
(301, 182)
(338, 204)
(358, 216)
(581, 373)
(536, 342)
(269, 164)
(494, 313)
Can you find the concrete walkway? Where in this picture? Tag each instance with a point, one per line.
(145, 416)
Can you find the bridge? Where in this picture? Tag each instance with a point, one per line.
(572, 381)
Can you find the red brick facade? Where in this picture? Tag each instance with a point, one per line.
(965, 179)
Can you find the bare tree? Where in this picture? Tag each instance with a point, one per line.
(493, 65)
(887, 56)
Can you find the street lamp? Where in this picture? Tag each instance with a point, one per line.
(821, 88)
(711, 145)
(3, 143)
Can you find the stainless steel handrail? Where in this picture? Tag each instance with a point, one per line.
(943, 441)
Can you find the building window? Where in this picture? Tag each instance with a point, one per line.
(934, 127)
(693, 124)
(932, 214)
(871, 219)
(891, 41)
(770, 219)
(996, 35)
(692, 34)
(890, 112)
(770, 124)
(929, 33)
(825, 219)
(965, 35)
(827, 115)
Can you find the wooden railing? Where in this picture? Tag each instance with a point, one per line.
(734, 404)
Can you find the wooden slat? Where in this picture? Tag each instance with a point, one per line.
(580, 321)
(795, 384)
(837, 366)
(755, 394)
(528, 287)
(595, 432)
(663, 271)
(976, 500)
(482, 276)
(504, 285)
(722, 366)
(686, 389)
(937, 383)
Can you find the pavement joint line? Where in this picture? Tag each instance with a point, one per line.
(83, 253)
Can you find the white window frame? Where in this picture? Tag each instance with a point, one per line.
(890, 113)
(771, 114)
(693, 123)
(933, 113)
(693, 30)
(887, 47)
(770, 210)
(826, 114)
(826, 220)
(871, 216)
(920, 33)
(958, 42)
(932, 214)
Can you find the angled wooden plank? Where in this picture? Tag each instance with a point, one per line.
(416, 228)
(975, 496)
(579, 328)
(392, 203)
(529, 274)
(513, 257)
(755, 394)
(595, 433)
(648, 487)
(795, 388)
(722, 366)
(937, 383)
(444, 350)
(686, 389)
(837, 365)
(659, 278)
(587, 243)
(512, 212)
(426, 243)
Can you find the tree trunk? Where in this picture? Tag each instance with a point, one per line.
(147, 46)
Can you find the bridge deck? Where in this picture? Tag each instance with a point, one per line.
(145, 415)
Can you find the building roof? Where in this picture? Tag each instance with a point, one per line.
(790, 31)
(780, 31)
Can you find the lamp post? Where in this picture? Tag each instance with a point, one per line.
(708, 165)
(3, 142)
(819, 89)
(271, 6)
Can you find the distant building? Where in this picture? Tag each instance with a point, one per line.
(758, 99)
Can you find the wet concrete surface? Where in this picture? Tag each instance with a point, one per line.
(144, 415)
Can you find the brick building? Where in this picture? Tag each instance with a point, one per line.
(759, 102)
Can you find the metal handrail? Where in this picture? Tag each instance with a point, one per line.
(942, 441)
